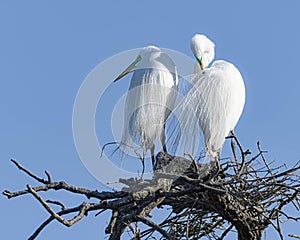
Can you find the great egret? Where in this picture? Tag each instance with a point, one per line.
(218, 95)
(150, 99)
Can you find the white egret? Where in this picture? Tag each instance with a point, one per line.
(150, 99)
(218, 95)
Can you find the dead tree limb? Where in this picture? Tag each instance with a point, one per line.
(241, 198)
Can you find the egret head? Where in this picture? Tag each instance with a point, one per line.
(140, 61)
(148, 50)
(203, 50)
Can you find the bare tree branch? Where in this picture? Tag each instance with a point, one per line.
(242, 198)
(294, 236)
(155, 227)
(41, 180)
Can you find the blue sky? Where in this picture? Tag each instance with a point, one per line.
(48, 48)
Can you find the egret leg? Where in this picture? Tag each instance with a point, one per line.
(233, 146)
(218, 164)
(218, 167)
(153, 157)
(163, 138)
(143, 167)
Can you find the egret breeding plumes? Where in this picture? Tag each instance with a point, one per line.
(150, 99)
(217, 98)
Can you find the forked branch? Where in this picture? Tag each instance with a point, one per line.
(241, 198)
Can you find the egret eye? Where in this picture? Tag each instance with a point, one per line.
(139, 58)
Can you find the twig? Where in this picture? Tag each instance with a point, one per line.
(194, 161)
(63, 207)
(50, 219)
(226, 232)
(48, 177)
(110, 143)
(243, 153)
(20, 167)
(68, 223)
(154, 226)
(263, 158)
(294, 236)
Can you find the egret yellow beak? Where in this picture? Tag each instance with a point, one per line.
(200, 63)
(129, 69)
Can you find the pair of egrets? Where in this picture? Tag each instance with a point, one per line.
(216, 99)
